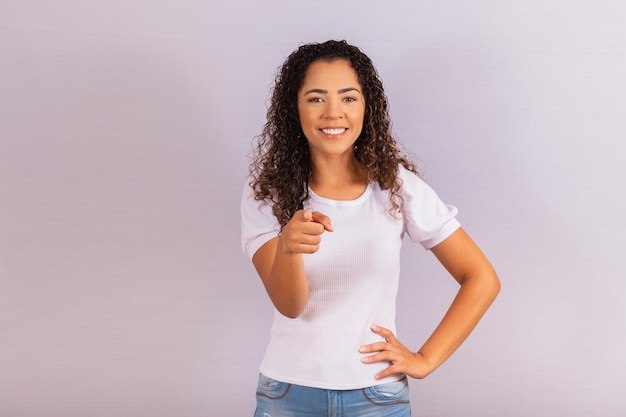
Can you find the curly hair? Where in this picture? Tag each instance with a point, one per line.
(281, 165)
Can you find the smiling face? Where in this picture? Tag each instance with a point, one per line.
(331, 107)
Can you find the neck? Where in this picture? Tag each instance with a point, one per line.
(338, 178)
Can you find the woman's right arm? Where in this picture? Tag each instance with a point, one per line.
(280, 265)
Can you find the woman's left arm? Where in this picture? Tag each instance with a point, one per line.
(479, 287)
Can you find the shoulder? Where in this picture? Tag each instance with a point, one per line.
(258, 223)
(404, 173)
(411, 184)
(428, 219)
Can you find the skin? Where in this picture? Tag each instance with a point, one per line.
(330, 98)
(331, 108)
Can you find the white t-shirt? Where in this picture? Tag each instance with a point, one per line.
(353, 280)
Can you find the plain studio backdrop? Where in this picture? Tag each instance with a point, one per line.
(125, 128)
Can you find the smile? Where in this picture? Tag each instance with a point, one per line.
(334, 131)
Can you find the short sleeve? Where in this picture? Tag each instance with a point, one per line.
(258, 224)
(428, 220)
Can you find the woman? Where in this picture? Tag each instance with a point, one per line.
(329, 200)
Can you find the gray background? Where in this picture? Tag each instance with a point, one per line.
(124, 132)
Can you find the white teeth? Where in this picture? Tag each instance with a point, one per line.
(333, 131)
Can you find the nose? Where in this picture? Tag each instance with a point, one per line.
(333, 110)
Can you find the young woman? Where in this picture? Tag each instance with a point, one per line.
(329, 200)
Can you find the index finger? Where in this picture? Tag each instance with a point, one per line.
(322, 219)
(386, 333)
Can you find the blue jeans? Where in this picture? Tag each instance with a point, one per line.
(281, 399)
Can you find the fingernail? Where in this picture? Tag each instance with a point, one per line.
(362, 349)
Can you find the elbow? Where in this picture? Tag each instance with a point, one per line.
(293, 309)
(493, 286)
(291, 313)
(486, 285)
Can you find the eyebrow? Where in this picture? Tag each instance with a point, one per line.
(341, 91)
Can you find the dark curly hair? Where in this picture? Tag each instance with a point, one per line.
(281, 164)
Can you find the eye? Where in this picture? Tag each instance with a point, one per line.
(315, 100)
(349, 99)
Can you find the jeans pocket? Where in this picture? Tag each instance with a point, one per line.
(390, 393)
(271, 388)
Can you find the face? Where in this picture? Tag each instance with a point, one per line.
(331, 108)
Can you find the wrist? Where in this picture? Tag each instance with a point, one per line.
(427, 364)
(283, 247)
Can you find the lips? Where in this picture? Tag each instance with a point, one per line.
(334, 130)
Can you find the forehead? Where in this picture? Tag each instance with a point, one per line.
(337, 72)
